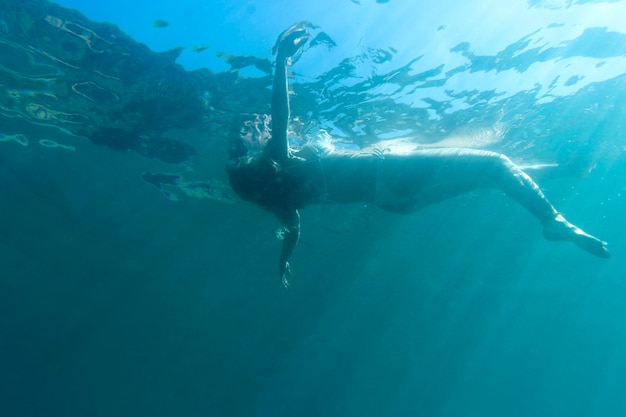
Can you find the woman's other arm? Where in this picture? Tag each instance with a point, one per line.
(290, 218)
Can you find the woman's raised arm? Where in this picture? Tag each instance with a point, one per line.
(288, 44)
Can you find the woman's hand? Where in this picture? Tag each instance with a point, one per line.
(291, 41)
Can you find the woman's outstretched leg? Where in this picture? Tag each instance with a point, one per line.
(521, 188)
(411, 181)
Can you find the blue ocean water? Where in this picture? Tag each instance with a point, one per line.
(134, 282)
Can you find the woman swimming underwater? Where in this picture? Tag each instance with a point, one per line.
(283, 181)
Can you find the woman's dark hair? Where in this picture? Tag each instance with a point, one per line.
(249, 136)
(252, 176)
(256, 179)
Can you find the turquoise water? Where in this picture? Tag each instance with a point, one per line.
(135, 283)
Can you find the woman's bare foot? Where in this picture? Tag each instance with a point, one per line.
(560, 229)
